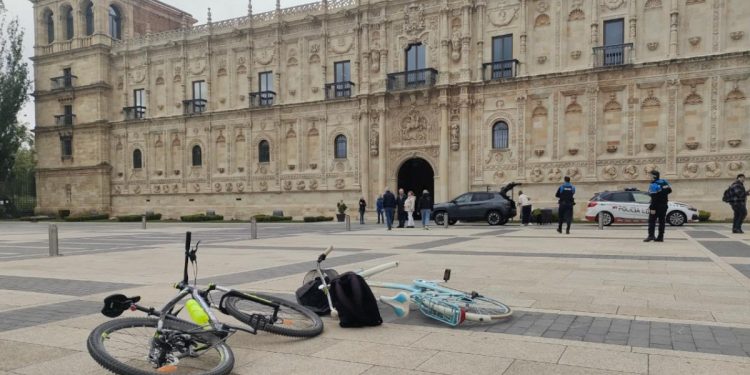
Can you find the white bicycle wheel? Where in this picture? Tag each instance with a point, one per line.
(456, 308)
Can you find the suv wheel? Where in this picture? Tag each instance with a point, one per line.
(495, 218)
(676, 218)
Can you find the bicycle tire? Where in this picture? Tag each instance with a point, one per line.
(187, 365)
(290, 314)
(473, 308)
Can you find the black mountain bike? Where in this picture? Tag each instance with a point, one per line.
(164, 343)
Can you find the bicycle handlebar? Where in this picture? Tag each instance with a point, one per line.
(323, 256)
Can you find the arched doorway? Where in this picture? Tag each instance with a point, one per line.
(416, 175)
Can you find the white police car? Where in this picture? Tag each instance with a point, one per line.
(631, 206)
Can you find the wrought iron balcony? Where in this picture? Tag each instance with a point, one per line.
(413, 79)
(339, 90)
(500, 70)
(620, 54)
(193, 106)
(134, 113)
(262, 99)
(64, 82)
(65, 120)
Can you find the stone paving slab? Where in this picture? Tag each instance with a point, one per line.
(704, 234)
(436, 243)
(33, 316)
(567, 255)
(59, 286)
(728, 248)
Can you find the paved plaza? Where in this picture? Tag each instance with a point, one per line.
(593, 302)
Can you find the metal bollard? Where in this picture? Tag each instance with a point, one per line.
(601, 221)
(253, 229)
(143, 222)
(348, 220)
(53, 244)
(445, 221)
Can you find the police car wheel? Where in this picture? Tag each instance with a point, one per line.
(607, 218)
(676, 218)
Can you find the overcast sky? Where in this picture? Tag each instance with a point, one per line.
(220, 10)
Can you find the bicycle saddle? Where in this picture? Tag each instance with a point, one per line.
(116, 304)
(399, 302)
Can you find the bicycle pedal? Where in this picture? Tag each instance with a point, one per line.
(258, 321)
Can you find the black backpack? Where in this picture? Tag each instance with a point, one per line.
(310, 296)
(728, 195)
(354, 301)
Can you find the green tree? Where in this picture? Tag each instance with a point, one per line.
(14, 89)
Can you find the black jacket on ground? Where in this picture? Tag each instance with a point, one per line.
(389, 200)
(425, 202)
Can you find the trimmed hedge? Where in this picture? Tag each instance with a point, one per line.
(87, 217)
(201, 217)
(314, 219)
(135, 218)
(271, 219)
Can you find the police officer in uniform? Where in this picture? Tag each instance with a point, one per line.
(659, 191)
(566, 202)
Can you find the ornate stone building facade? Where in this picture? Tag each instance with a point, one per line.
(297, 108)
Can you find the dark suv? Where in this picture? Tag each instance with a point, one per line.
(494, 207)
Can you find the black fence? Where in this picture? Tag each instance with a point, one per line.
(620, 54)
(18, 196)
(500, 70)
(339, 90)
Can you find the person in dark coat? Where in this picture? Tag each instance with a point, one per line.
(400, 201)
(379, 209)
(738, 201)
(362, 208)
(565, 194)
(425, 207)
(389, 204)
(659, 191)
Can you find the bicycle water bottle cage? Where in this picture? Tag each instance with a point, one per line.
(116, 304)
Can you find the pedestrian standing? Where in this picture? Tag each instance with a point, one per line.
(400, 201)
(362, 208)
(389, 204)
(736, 196)
(425, 206)
(659, 191)
(565, 194)
(525, 203)
(409, 206)
(379, 209)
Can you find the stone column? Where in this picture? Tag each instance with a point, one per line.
(441, 193)
(464, 140)
(479, 22)
(381, 149)
(673, 27)
(364, 154)
(522, 39)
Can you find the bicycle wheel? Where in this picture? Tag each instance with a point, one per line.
(124, 346)
(292, 319)
(457, 306)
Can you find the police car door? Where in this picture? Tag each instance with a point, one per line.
(642, 201)
(623, 206)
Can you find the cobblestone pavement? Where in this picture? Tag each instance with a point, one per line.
(599, 302)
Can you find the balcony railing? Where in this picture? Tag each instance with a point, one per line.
(413, 79)
(500, 70)
(193, 106)
(339, 90)
(65, 120)
(134, 113)
(620, 54)
(262, 99)
(63, 82)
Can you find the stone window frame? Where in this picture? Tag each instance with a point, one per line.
(116, 21)
(267, 158)
(48, 22)
(137, 151)
(89, 18)
(68, 18)
(193, 156)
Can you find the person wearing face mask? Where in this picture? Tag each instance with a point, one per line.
(659, 191)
